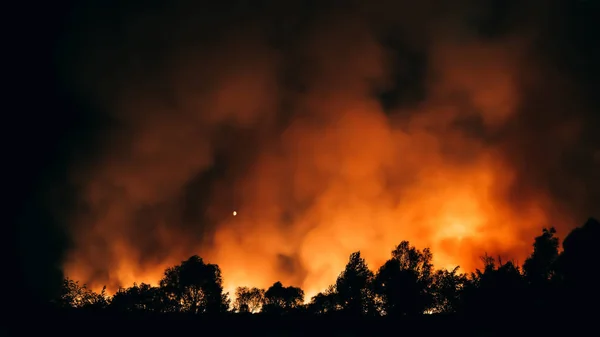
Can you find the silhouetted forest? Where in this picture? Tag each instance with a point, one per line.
(552, 285)
(93, 79)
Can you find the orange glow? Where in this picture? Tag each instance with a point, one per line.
(342, 175)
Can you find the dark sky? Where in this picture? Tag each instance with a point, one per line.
(59, 121)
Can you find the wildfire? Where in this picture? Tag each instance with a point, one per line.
(319, 167)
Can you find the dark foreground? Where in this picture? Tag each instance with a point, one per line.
(73, 323)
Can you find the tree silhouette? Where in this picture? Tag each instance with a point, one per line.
(143, 297)
(539, 267)
(447, 290)
(280, 299)
(404, 287)
(74, 295)
(404, 282)
(411, 258)
(498, 289)
(353, 287)
(540, 271)
(578, 265)
(195, 287)
(248, 299)
(325, 302)
(581, 254)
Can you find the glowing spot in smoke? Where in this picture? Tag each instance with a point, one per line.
(458, 229)
(234, 213)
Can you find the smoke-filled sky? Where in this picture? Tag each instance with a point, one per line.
(328, 126)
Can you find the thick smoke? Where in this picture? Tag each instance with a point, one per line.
(328, 131)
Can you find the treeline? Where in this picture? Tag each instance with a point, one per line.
(406, 285)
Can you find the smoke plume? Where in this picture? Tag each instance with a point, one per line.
(328, 129)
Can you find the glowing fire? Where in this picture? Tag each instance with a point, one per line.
(453, 211)
(317, 172)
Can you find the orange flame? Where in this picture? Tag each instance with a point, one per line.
(343, 174)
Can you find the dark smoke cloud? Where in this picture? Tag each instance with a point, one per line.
(315, 120)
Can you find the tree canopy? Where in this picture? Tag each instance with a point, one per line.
(405, 285)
